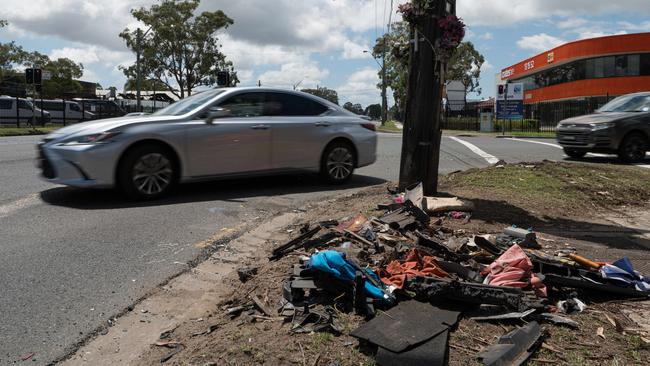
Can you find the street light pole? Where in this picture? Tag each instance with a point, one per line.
(384, 86)
(138, 73)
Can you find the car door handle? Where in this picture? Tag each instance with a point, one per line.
(261, 127)
(323, 124)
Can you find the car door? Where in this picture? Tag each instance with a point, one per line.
(238, 143)
(7, 112)
(300, 130)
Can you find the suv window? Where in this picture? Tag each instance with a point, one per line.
(22, 104)
(74, 107)
(245, 105)
(51, 106)
(6, 104)
(284, 104)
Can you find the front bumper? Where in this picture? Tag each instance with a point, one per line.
(586, 139)
(84, 166)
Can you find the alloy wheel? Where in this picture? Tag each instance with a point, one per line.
(634, 150)
(152, 174)
(340, 163)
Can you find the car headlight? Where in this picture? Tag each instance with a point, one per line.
(601, 126)
(94, 139)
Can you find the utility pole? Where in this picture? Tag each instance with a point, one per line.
(384, 83)
(422, 133)
(138, 76)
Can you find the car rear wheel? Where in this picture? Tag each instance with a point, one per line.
(633, 148)
(576, 154)
(147, 172)
(338, 162)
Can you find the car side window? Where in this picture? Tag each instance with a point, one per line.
(6, 104)
(74, 107)
(22, 104)
(245, 105)
(285, 104)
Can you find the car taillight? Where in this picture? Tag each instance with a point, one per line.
(369, 126)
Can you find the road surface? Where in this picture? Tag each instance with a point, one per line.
(72, 259)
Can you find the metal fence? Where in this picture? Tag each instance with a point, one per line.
(538, 117)
(24, 112)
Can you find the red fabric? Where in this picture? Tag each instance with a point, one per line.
(514, 269)
(397, 273)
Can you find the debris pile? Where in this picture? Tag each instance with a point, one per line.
(412, 279)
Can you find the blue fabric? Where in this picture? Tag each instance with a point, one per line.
(623, 272)
(334, 263)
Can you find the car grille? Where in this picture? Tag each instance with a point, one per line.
(574, 138)
(44, 163)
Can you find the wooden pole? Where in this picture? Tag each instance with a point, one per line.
(422, 133)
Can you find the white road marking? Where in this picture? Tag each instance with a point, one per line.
(8, 209)
(491, 159)
(537, 142)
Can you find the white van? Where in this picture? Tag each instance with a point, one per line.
(64, 111)
(14, 109)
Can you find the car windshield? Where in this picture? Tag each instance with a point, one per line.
(628, 103)
(188, 104)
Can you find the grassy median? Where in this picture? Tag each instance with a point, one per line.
(26, 131)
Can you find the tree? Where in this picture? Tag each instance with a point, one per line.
(147, 84)
(325, 93)
(373, 111)
(354, 108)
(181, 49)
(63, 74)
(465, 66)
(397, 58)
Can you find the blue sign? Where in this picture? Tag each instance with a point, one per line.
(511, 109)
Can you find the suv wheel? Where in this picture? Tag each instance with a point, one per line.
(338, 162)
(575, 154)
(147, 172)
(633, 148)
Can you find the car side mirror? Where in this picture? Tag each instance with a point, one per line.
(215, 113)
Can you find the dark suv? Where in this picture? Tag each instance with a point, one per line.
(621, 127)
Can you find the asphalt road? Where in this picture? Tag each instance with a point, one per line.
(72, 259)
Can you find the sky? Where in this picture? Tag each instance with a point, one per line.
(283, 43)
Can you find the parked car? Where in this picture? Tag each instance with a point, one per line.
(218, 133)
(101, 108)
(14, 109)
(64, 111)
(620, 127)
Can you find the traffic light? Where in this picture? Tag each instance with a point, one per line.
(501, 89)
(29, 76)
(38, 75)
(223, 78)
(33, 76)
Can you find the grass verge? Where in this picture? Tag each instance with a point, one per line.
(26, 131)
(558, 186)
(389, 127)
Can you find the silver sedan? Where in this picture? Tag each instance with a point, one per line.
(214, 134)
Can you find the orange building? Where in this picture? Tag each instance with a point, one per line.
(591, 68)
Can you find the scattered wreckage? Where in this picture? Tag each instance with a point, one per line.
(413, 279)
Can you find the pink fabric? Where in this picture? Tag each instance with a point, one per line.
(514, 269)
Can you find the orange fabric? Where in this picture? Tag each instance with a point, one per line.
(397, 273)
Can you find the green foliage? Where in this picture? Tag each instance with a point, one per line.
(465, 66)
(146, 84)
(396, 45)
(373, 111)
(354, 108)
(325, 93)
(181, 48)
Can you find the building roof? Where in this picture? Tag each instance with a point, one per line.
(585, 48)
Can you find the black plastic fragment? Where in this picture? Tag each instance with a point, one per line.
(514, 348)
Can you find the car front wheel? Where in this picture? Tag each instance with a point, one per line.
(575, 154)
(633, 149)
(338, 162)
(147, 172)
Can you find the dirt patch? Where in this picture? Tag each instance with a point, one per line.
(209, 336)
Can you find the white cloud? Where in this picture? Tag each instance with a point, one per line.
(641, 27)
(353, 50)
(361, 87)
(486, 36)
(508, 12)
(307, 74)
(571, 23)
(539, 42)
(487, 66)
